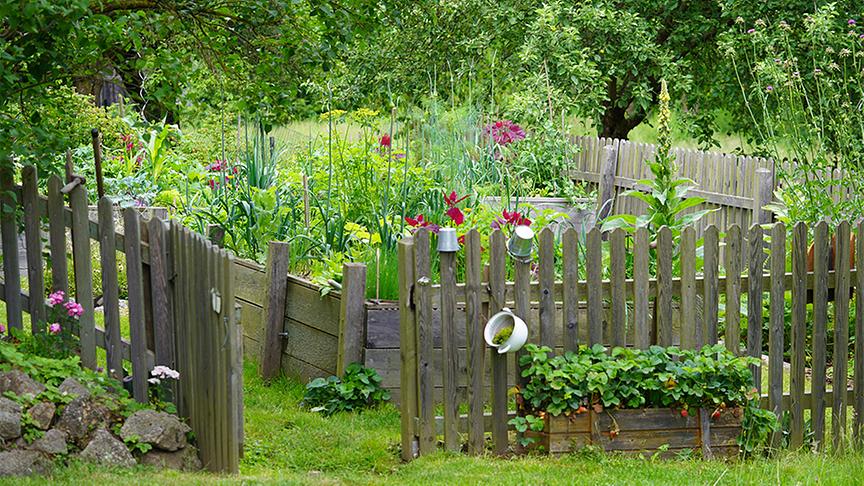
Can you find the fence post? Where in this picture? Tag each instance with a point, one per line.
(11, 272)
(352, 316)
(135, 277)
(763, 196)
(83, 269)
(33, 238)
(606, 193)
(278, 258)
(407, 350)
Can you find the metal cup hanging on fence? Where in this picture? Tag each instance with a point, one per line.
(448, 242)
(521, 244)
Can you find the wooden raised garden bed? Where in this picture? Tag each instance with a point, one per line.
(641, 431)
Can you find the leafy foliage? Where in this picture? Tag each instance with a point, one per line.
(359, 388)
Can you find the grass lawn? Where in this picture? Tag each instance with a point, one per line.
(286, 445)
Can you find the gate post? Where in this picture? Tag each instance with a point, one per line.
(407, 350)
(274, 308)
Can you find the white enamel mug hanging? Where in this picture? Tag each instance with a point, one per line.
(501, 323)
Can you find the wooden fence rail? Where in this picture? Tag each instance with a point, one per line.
(630, 308)
(181, 302)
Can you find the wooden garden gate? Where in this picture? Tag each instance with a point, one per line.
(181, 300)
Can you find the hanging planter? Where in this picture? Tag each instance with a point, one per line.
(506, 332)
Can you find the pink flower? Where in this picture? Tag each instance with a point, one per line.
(74, 309)
(510, 219)
(54, 329)
(385, 140)
(56, 298)
(504, 132)
(456, 215)
(417, 221)
(2, 328)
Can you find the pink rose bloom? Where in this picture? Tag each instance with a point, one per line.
(56, 298)
(74, 309)
(54, 328)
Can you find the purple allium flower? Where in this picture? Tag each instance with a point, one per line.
(851, 22)
(861, 36)
(769, 88)
(54, 329)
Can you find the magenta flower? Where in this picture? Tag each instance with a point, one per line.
(751, 31)
(74, 309)
(504, 132)
(2, 328)
(456, 215)
(56, 298)
(851, 22)
(54, 329)
(385, 140)
(769, 88)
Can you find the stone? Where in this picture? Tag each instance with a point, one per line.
(42, 414)
(53, 443)
(80, 418)
(10, 419)
(23, 463)
(160, 429)
(19, 383)
(185, 459)
(107, 450)
(73, 387)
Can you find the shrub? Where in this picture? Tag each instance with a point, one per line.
(358, 389)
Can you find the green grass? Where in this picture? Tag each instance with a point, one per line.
(287, 445)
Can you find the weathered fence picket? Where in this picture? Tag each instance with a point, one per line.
(565, 313)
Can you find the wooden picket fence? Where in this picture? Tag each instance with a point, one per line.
(440, 360)
(181, 301)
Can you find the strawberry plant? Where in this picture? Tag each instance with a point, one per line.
(359, 388)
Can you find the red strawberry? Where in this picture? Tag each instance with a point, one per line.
(684, 413)
(581, 409)
(715, 415)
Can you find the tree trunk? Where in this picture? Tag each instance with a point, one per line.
(616, 124)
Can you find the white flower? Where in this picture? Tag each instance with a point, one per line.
(154, 381)
(165, 372)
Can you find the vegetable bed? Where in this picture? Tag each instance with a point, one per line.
(664, 400)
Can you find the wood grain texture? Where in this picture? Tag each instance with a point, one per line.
(110, 288)
(84, 276)
(820, 325)
(641, 289)
(777, 326)
(547, 287)
(474, 321)
(858, 399)
(423, 318)
(799, 331)
(497, 280)
(664, 287)
(9, 235)
(691, 330)
(352, 317)
(57, 235)
(448, 349)
(160, 295)
(135, 278)
(733, 257)
(618, 259)
(407, 350)
(278, 259)
(522, 301)
(570, 297)
(594, 268)
(33, 242)
(841, 336)
(711, 287)
(755, 289)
